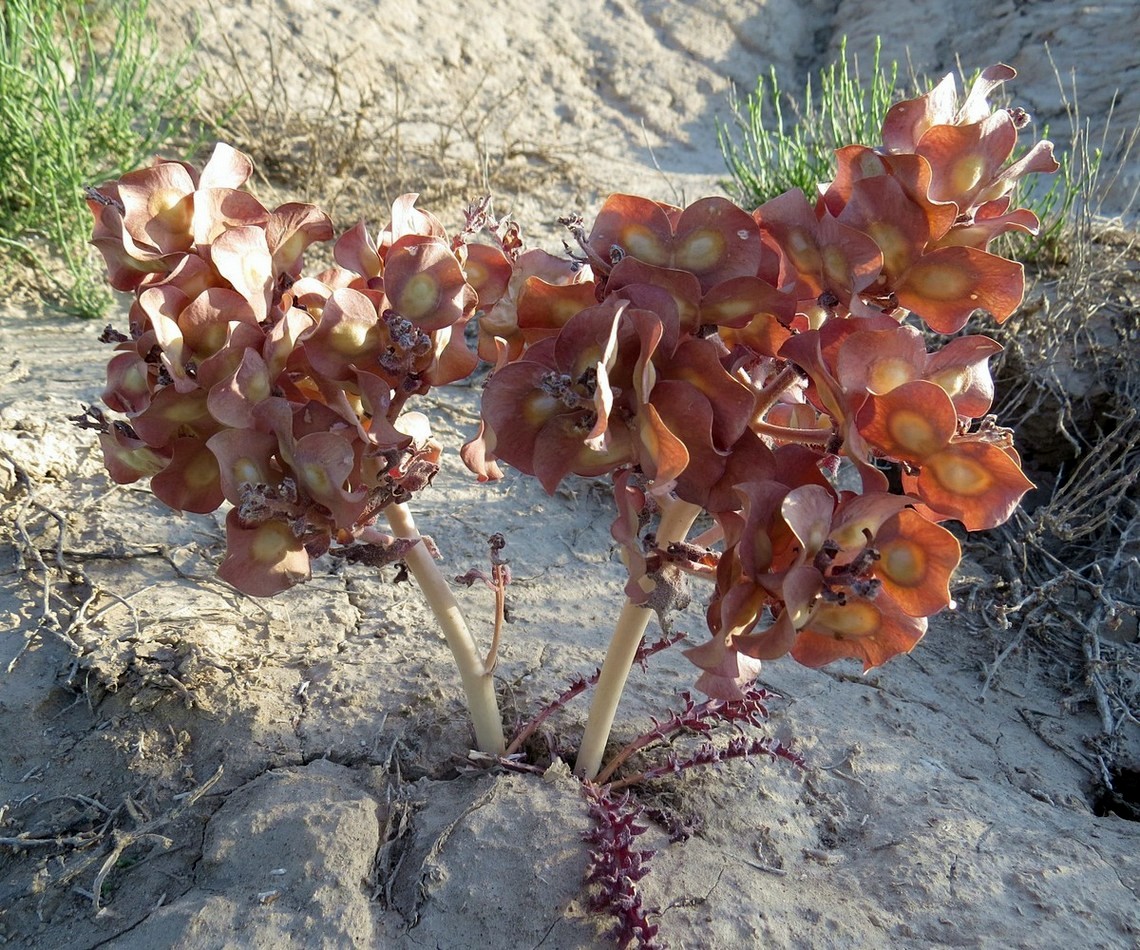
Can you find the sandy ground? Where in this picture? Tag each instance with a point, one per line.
(206, 770)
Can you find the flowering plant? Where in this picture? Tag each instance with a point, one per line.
(769, 370)
(286, 396)
(737, 364)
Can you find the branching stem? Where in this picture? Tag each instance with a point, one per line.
(618, 760)
(531, 727)
(766, 398)
(478, 683)
(774, 388)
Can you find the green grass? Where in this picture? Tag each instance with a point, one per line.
(86, 95)
(778, 141)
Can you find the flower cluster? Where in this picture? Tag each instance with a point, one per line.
(243, 381)
(770, 369)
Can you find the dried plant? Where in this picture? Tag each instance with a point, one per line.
(243, 382)
(1067, 565)
(357, 132)
(779, 371)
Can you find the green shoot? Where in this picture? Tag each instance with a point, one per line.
(86, 94)
(777, 141)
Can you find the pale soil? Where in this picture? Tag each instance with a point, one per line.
(932, 813)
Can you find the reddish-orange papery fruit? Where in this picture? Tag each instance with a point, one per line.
(737, 362)
(244, 381)
(706, 358)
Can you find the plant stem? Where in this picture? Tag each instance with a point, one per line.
(478, 683)
(531, 727)
(500, 614)
(773, 389)
(786, 434)
(676, 519)
(616, 762)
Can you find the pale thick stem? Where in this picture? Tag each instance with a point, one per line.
(786, 434)
(677, 518)
(478, 683)
(627, 636)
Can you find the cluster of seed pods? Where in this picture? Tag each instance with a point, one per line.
(768, 368)
(243, 381)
